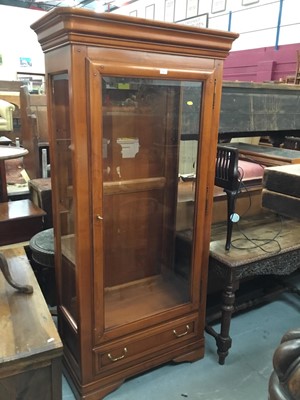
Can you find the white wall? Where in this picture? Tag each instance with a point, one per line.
(17, 40)
(256, 23)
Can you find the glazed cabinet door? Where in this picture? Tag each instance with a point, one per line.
(64, 183)
(145, 140)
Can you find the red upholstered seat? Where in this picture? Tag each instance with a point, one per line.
(250, 170)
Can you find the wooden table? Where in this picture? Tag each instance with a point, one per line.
(19, 221)
(6, 153)
(267, 155)
(275, 136)
(30, 347)
(282, 257)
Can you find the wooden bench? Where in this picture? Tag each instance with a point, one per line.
(30, 349)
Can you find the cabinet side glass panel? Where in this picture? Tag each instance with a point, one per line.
(64, 182)
(149, 169)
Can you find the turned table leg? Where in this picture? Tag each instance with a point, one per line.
(223, 340)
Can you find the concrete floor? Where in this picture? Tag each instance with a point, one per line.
(255, 335)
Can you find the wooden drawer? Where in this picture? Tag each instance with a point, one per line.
(127, 350)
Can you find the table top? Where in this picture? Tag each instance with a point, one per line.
(18, 209)
(285, 233)
(287, 155)
(9, 152)
(26, 325)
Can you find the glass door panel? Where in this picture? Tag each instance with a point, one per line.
(150, 146)
(64, 183)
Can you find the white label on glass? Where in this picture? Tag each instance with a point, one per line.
(163, 71)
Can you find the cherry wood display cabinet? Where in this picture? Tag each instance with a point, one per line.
(133, 111)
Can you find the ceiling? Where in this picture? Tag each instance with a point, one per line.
(47, 5)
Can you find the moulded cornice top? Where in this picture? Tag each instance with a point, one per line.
(64, 25)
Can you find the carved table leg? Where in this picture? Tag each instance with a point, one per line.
(5, 270)
(223, 340)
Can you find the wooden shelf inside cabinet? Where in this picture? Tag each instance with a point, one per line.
(133, 185)
(154, 294)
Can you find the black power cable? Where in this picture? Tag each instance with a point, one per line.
(256, 242)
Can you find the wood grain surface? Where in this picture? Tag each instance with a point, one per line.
(26, 325)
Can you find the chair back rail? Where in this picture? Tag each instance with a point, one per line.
(227, 174)
(227, 177)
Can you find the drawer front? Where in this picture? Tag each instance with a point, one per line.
(121, 352)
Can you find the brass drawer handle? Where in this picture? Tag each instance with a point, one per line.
(187, 327)
(117, 358)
